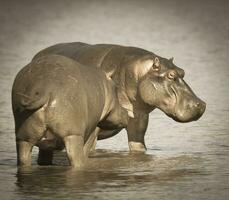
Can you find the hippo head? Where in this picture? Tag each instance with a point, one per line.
(158, 83)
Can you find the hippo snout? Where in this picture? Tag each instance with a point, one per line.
(201, 106)
(191, 110)
(198, 108)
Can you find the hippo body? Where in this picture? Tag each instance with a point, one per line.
(58, 102)
(144, 82)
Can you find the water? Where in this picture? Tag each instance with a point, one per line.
(183, 161)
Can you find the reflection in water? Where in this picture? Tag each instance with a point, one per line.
(105, 172)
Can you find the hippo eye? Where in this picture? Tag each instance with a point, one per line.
(171, 75)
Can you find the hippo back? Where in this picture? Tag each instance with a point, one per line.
(118, 62)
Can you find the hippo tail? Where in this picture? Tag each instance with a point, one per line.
(29, 103)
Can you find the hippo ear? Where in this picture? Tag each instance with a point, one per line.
(156, 61)
(171, 59)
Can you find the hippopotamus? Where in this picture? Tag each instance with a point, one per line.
(57, 102)
(144, 80)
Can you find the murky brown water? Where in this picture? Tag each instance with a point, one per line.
(183, 161)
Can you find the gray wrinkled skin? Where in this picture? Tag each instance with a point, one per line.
(144, 82)
(59, 103)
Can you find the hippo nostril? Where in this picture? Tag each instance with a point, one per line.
(200, 106)
(204, 104)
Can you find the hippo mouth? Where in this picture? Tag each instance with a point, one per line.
(186, 109)
(172, 104)
(174, 94)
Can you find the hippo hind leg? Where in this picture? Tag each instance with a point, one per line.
(47, 148)
(74, 147)
(30, 127)
(45, 157)
(47, 145)
(24, 152)
(70, 127)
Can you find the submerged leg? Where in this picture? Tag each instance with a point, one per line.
(24, 153)
(74, 146)
(29, 128)
(136, 132)
(45, 157)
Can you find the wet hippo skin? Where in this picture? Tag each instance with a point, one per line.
(144, 82)
(57, 102)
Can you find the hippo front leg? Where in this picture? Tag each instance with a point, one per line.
(24, 151)
(74, 147)
(136, 132)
